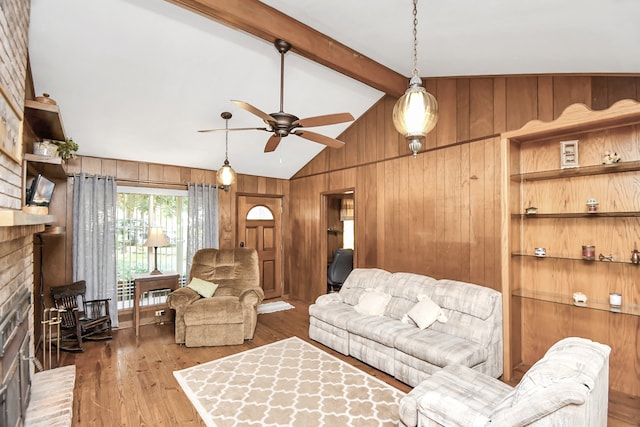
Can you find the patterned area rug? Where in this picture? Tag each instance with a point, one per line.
(272, 307)
(288, 383)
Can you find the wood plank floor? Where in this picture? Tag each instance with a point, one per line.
(129, 381)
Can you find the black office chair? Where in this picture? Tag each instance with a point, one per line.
(339, 269)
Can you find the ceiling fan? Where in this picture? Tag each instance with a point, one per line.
(282, 124)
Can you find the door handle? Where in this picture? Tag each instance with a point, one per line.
(242, 244)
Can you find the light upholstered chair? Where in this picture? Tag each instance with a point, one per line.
(230, 315)
(569, 386)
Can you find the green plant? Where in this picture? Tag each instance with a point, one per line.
(66, 149)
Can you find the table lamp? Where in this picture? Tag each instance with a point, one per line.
(156, 238)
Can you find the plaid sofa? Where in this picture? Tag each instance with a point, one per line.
(471, 337)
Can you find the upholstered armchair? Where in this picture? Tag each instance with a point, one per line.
(230, 315)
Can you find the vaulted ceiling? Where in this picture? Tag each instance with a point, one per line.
(136, 79)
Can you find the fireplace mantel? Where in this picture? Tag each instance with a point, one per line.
(12, 218)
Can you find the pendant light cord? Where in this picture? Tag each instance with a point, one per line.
(415, 38)
(226, 140)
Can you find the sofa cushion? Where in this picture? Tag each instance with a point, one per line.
(459, 396)
(372, 303)
(204, 288)
(404, 289)
(475, 300)
(361, 279)
(440, 349)
(377, 328)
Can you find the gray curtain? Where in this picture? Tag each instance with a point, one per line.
(202, 219)
(94, 237)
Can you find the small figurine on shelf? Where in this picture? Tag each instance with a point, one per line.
(635, 255)
(610, 158)
(66, 149)
(579, 298)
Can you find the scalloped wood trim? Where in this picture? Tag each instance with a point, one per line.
(578, 117)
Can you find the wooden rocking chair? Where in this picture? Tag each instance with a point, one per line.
(82, 319)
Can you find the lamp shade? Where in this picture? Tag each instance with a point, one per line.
(156, 238)
(226, 175)
(416, 112)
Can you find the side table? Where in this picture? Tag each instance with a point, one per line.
(150, 282)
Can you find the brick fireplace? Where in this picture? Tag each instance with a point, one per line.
(16, 241)
(16, 322)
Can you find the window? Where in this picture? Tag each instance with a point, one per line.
(260, 212)
(138, 209)
(348, 238)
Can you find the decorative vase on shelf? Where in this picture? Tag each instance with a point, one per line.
(45, 148)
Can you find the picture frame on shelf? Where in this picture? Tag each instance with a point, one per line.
(569, 154)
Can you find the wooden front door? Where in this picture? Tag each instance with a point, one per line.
(259, 227)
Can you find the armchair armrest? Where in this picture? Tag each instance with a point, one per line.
(182, 297)
(251, 297)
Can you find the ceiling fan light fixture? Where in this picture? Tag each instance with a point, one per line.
(226, 176)
(416, 112)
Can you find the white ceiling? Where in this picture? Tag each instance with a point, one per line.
(136, 79)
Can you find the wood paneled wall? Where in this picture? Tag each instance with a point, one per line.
(437, 214)
(58, 262)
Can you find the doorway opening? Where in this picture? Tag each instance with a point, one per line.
(339, 223)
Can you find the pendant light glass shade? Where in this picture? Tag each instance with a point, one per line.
(226, 175)
(416, 112)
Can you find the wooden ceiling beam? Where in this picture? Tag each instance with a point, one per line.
(270, 24)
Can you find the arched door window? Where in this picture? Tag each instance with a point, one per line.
(260, 213)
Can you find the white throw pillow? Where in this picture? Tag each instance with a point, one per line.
(425, 312)
(372, 303)
(204, 288)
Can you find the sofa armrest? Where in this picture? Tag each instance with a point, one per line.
(182, 297)
(541, 404)
(251, 297)
(328, 298)
(449, 410)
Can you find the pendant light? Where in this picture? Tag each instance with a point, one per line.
(416, 112)
(226, 175)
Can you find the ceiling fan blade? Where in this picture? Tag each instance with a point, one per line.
(253, 110)
(231, 129)
(316, 137)
(272, 144)
(328, 119)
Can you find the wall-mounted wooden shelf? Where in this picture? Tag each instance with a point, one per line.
(632, 214)
(44, 119)
(582, 171)
(50, 167)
